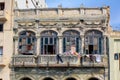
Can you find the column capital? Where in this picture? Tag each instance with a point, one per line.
(15, 37)
(82, 36)
(104, 35)
(60, 37)
(37, 37)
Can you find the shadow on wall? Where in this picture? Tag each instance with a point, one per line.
(48, 78)
(26, 79)
(71, 78)
(93, 78)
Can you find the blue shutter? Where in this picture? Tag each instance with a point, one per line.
(41, 45)
(77, 44)
(64, 45)
(100, 45)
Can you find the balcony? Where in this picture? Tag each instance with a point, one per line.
(51, 61)
(3, 16)
(1, 61)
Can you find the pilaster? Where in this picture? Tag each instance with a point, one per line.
(38, 45)
(82, 44)
(60, 41)
(15, 45)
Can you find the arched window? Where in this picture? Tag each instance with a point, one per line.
(70, 78)
(93, 42)
(71, 41)
(27, 41)
(93, 78)
(48, 78)
(49, 42)
(26, 79)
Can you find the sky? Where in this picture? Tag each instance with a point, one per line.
(114, 7)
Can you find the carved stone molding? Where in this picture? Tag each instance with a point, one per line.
(26, 25)
(59, 29)
(15, 37)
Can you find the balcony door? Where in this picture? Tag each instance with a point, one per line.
(93, 42)
(49, 43)
(71, 41)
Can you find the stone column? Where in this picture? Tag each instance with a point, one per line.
(38, 45)
(60, 43)
(104, 45)
(16, 45)
(82, 44)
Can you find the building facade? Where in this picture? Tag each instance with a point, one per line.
(6, 38)
(57, 43)
(61, 44)
(114, 60)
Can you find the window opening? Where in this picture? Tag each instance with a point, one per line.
(27, 43)
(2, 6)
(1, 27)
(48, 42)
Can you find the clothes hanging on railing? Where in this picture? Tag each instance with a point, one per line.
(58, 57)
(98, 58)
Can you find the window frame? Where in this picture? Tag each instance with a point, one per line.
(1, 25)
(2, 5)
(1, 52)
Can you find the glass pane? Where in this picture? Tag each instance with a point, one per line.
(41, 45)
(72, 41)
(48, 33)
(55, 39)
(46, 40)
(24, 41)
(100, 45)
(51, 40)
(29, 40)
(64, 45)
(71, 33)
(1, 50)
(77, 44)
(20, 40)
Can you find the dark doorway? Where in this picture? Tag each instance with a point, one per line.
(93, 79)
(90, 49)
(48, 78)
(26, 79)
(70, 78)
(49, 49)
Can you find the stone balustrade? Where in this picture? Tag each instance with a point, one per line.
(51, 61)
(61, 12)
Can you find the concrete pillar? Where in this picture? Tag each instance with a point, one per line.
(60, 39)
(38, 45)
(82, 44)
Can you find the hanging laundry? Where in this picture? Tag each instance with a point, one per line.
(58, 57)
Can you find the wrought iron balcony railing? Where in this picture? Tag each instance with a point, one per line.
(52, 61)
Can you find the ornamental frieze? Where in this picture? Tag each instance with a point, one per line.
(59, 24)
(26, 25)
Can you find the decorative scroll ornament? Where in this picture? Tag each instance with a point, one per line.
(26, 25)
